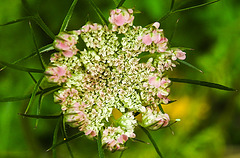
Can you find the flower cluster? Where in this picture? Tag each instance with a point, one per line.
(121, 19)
(110, 75)
(154, 119)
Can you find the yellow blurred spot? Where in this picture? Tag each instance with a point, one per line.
(116, 113)
(190, 110)
(178, 109)
(139, 117)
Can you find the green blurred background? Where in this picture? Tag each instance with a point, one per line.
(210, 118)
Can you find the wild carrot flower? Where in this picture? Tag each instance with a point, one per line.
(109, 75)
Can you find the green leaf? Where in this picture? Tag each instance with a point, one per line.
(12, 99)
(116, 2)
(165, 16)
(18, 20)
(120, 156)
(36, 47)
(21, 68)
(152, 140)
(80, 134)
(160, 108)
(99, 143)
(49, 90)
(38, 19)
(138, 140)
(34, 94)
(44, 27)
(193, 7)
(41, 50)
(174, 31)
(44, 91)
(99, 12)
(184, 9)
(120, 3)
(46, 48)
(171, 123)
(66, 137)
(40, 103)
(55, 136)
(171, 101)
(31, 6)
(34, 80)
(39, 107)
(68, 16)
(202, 83)
(172, 5)
(42, 116)
(184, 48)
(27, 6)
(190, 65)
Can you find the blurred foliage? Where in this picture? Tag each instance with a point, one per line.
(210, 118)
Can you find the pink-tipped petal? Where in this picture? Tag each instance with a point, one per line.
(88, 132)
(125, 137)
(91, 133)
(159, 95)
(130, 11)
(120, 140)
(181, 55)
(61, 45)
(156, 37)
(68, 53)
(166, 119)
(154, 81)
(112, 12)
(156, 25)
(118, 11)
(119, 20)
(61, 71)
(147, 39)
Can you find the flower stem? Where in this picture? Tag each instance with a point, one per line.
(153, 141)
(99, 143)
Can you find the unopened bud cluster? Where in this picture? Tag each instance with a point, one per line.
(110, 75)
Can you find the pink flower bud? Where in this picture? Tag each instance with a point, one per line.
(120, 17)
(163, 121)
(130, 11)
(122, 139)
(70, 53)
(156, 37)
(66, 41)
(55, 57)
(119, 20)
(61, 45)
(91, 133)
(147, 39)
(60, 71)
(58, 74)
(94, 26)
(180, 54)
(85, 28)
(156, 25)
(154, 81)
(164, 82)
